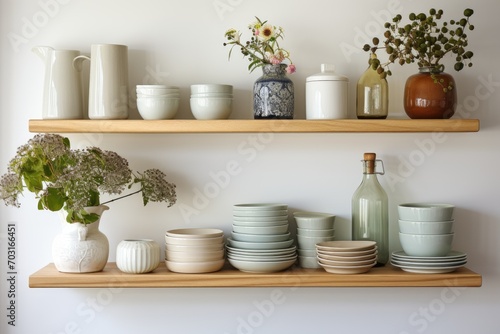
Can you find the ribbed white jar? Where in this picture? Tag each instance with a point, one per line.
(137, 256)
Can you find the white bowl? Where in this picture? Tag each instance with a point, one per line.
(195, 233)
(426, 244)
(431, 245)
(211, 95)
(259, 245)
(277, 229)
(260, 237)
(305, 242)
(315, 233)
(156, 89)
(425, 211)
(194, 242)
(195, 267)
(211, 88)
(261, 267)
(194, 248)
(423, 227)
(314, 220)
(307, 252)
(309, 262)
(157, 107)
(211, 108)
(194, 257)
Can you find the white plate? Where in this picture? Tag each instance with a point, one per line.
(427, 270)
(345, 263)
(278, 229)
(260, 207)
(262, 258)
(194, 241)
(453, 255)
(260, 245)
(266, 252)
(260, 213)
(429, 264)
(195, 233)
(346, 246)
(263, 223)
(371, 256)
(348, 269)
(260, 237)
(349, 254)
(261, 267)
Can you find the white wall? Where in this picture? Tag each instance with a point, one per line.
(181, 41)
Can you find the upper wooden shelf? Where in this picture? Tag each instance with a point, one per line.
(388, 276)
(247, 125)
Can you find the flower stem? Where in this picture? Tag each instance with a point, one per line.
(115, 199)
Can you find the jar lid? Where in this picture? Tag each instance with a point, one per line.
(327, 74)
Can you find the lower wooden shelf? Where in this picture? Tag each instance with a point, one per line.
(388, 276)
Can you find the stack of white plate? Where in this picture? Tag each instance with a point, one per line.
(347, 257)
(429, 264)
(194, 250)
(260, 240)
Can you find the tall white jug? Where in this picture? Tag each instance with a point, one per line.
(62, 92)
(108, 86)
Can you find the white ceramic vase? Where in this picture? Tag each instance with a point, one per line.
(81, 248)
(137, 256)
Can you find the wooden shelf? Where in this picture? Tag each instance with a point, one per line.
(247, 126)
(388, 276)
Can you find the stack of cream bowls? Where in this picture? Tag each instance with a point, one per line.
(312, 228)
(426, 236)
(194, 250)
(347, 257)
(260, 240)
(157, 101)
(211, 101)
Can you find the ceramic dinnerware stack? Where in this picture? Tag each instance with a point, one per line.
(312, 228)
(426, 236)
(194, 250)
(157, 101)
(260, 239)
(347, 257)
(211, 101)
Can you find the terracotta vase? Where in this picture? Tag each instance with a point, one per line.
(430, 94)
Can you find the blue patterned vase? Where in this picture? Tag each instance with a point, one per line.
(273, 95)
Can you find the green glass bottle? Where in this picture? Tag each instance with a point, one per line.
(372, 94)
(370, 212)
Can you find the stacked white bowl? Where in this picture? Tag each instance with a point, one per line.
(312, 228)
(157, 101)
(426, 236)
(347, 257)
(260, 240)
(211, 101)
(194, 250)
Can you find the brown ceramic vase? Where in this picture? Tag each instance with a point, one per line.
(430, 94)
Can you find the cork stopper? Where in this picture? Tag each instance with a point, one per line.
(369, 159)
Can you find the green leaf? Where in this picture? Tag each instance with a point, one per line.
(55, 198)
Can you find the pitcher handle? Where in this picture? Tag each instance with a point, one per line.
(77, 62)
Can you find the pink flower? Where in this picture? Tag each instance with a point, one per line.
(291, 69)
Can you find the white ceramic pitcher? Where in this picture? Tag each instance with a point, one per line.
(62, 92)
(108, 86)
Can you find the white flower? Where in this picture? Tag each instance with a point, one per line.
(265, 33)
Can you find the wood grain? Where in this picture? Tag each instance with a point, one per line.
(388, 276)
(252, 126)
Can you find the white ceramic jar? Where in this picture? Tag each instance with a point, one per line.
(326, 94)
(137, 256)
